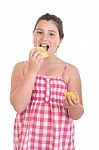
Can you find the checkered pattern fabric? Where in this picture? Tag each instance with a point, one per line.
(45, 124)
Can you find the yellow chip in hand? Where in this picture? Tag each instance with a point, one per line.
(71, 95)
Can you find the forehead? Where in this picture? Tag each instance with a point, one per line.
(49, 25)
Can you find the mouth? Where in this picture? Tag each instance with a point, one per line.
(45, 46)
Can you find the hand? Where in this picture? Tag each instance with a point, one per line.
(35, 61)
(69, 101)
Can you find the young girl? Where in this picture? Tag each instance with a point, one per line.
(44, 119)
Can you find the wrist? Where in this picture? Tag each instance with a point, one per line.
(76, 111)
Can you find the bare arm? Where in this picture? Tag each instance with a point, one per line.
(22, 81)
(75, 108)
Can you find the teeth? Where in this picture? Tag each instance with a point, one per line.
(44, 46)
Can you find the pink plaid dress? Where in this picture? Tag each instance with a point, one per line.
(45, 124)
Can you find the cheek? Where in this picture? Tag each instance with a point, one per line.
(55, 43)
(35, 40)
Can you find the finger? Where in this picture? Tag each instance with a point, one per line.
(75, 102)
(70, 102)
(39, 56)
(41, 60)
(31, 52)
(66, 104)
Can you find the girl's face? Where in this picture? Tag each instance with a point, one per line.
(46, 35)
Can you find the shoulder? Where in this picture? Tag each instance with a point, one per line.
(71, 73)
(72, 68)
(69, 67)
(74, 75)
(19, 67)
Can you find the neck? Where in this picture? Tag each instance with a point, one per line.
(50, 59)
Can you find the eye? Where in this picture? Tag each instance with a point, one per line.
(39, 32)
(51, 34)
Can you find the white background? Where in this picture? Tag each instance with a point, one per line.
(79, 47)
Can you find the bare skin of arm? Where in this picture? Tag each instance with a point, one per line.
(22, 81)
(75, 108)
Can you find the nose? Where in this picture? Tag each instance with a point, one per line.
(44, 37)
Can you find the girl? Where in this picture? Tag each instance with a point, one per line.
(44, 119)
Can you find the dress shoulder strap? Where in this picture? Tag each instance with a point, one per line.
(64, 70)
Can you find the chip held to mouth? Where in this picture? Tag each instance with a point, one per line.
(42, 51)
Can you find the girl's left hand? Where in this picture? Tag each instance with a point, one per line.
(68, 102)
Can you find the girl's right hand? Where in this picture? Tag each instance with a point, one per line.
(35, 61)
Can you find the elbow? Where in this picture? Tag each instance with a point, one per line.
(17, 107)
(76, 116)
(17, 110)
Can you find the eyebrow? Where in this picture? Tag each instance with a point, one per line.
(48, 30)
